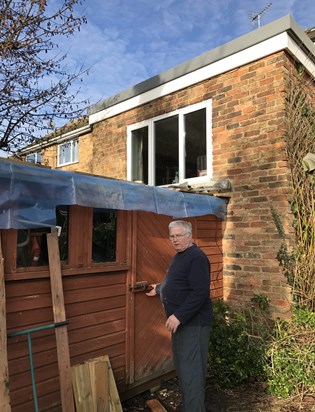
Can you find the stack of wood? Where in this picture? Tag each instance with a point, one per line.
(94, 386)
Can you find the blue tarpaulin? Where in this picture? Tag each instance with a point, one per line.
(29, 196)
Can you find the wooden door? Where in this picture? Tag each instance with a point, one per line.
(150, 346)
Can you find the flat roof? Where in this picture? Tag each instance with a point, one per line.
(285, 24)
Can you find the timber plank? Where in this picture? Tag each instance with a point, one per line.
(60, 316)
(100, 386)
(4, 372)
(82, 390)
(155, 405)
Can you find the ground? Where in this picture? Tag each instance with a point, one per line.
(248, 398)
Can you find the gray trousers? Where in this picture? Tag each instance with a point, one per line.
(190, 345)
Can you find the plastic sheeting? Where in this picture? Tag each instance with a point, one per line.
(29, 196)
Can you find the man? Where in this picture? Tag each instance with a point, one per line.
(185, 296)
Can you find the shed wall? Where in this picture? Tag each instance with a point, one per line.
(97, 306)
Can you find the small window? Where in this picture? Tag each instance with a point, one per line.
(32, 248)
(172, 148)
(68, 152)
(32, 243)
(34, 157)
(62, 215)
(104, 236)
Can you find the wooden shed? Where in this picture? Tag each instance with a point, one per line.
(85, 298)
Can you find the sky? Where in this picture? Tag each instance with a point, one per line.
(128, 41)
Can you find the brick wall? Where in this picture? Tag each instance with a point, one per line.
(248, 148)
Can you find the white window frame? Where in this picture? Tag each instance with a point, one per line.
(37, 155)
(73, 159)
(181, 141)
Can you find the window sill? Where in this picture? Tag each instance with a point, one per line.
(43, 272)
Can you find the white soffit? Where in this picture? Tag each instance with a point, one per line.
(275, 44)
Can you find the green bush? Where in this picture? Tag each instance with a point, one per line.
(290, 366)
(246, 346)
(237, 343)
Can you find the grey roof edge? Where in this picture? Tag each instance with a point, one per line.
(284, 24)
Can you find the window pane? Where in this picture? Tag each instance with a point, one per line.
(166, 151)
(195, 144)
(31, 158)
(62, 214)
(31, 248)
(32, 243)
(104, 236)
(74, 151)
(65, 153)
(140, 155)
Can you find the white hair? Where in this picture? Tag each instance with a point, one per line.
(183, 223)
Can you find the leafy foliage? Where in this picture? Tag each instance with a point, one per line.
(291, 356)
(237, 343)
(299, 263)
(34, 79)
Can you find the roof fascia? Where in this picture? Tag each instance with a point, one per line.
(56, 140)
(282, 34)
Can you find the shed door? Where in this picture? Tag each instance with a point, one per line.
(150, 346)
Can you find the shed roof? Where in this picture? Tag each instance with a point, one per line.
(30, 194)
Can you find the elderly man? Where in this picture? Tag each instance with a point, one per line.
(185, 295)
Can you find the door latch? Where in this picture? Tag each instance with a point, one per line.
(140, 287)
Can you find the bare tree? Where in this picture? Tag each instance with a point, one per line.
(34, 80)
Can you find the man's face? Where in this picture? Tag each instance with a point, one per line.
(180, 239)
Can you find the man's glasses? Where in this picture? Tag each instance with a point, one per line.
(173, 237)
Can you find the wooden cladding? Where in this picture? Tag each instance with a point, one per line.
(104, 317)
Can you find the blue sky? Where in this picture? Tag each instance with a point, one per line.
(128, 41)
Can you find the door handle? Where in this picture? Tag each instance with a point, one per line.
(140, 287)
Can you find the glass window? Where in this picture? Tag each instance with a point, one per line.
(166, 151)
(104, 236)
(32, 243)
(62, 215)
(68, 152)
(140, 155)
(34, 157)
(172, 148)
(195, 143)
(31, 248)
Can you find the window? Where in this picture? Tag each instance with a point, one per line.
(32, 244)
(97, 233)
(34, 157)
(68, 152)
(104, 236)
(172, 148)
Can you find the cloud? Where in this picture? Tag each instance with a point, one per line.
(126, 42)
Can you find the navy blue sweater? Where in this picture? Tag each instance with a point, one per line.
(185, 290)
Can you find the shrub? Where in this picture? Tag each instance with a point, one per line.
(290, 366)
(237, 343)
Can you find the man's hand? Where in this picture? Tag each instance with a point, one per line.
(152, 292)
(172, 323)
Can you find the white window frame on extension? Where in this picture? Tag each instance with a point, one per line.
(141, 139)
(72, 155)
